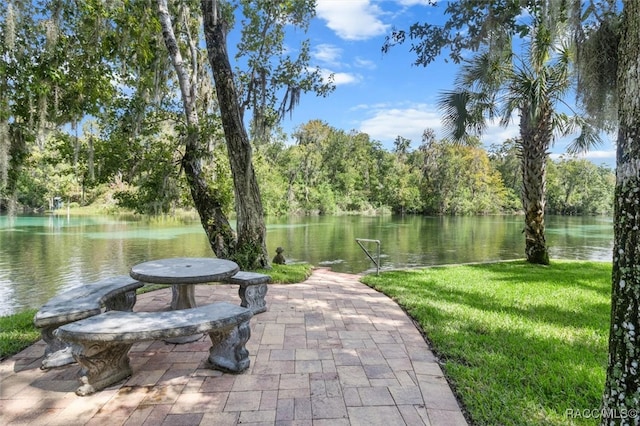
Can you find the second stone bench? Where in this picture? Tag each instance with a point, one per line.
(113, 293)
(252, 291)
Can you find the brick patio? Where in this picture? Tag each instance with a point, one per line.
(329, 351)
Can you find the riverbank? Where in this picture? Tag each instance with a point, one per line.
(42, 255)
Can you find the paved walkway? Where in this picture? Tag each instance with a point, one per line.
(329, 351)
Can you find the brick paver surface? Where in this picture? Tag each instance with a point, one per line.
(329, 351)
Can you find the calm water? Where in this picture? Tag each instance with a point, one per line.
(40, 256)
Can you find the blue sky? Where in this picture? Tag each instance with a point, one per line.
(384, 95)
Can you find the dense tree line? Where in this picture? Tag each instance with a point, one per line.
(324, 170)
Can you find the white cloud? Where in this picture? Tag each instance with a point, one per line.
(340, 78)
(346, 78)
(352, 19)
(328, 54)
(601, 155)
(388, 123)
(376, 106)
(364, 63)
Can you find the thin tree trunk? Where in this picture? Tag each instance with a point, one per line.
(215, 223)
(251, 250)
(622, 388)
(535, 143)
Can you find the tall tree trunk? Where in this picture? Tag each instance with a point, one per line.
(535, 140)
(215, 223)
(622, 388)
(219, 232)
(251, 249)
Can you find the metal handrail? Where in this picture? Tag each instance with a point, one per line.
(375, 261)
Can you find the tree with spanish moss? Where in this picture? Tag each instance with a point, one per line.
(262, 40)
(52, 74)
(269, 77)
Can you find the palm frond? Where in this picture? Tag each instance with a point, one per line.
(588, 138)
(460, 114)
(540, 48)
(511, 105)
(560, 72)
(496, 83)
(486, 71)
(563, 124)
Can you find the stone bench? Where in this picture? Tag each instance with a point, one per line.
(100, 344)
(252, 291)
(114, 293)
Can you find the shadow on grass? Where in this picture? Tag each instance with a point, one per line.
(521, 344)
(574, 274)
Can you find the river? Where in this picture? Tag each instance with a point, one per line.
(42, 255)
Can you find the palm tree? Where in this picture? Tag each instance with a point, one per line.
(496, 84)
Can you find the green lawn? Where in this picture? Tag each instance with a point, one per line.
(17, 332)
(521, 344)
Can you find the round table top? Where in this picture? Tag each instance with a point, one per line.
(184, 270)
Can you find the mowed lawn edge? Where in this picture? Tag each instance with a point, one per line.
(520, 344)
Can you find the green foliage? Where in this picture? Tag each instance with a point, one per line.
(520, 343)
(155, 187)
(322, 199)
(579, 187)
(245, 256)
(506, 159)
(402, 189)
(459, 180)
(288, 273)
(273, 185)
(17, 332)
(52, 73)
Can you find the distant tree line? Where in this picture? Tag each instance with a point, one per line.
(324, 170)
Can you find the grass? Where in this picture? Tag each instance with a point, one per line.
(521, 344)
(18, 332)
(288, 274)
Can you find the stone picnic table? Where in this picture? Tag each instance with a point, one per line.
(183, 273)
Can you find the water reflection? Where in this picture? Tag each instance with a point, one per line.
(42, 255)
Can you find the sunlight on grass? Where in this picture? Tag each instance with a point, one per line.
(289, 273)
(521, 343)
(17, 332)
